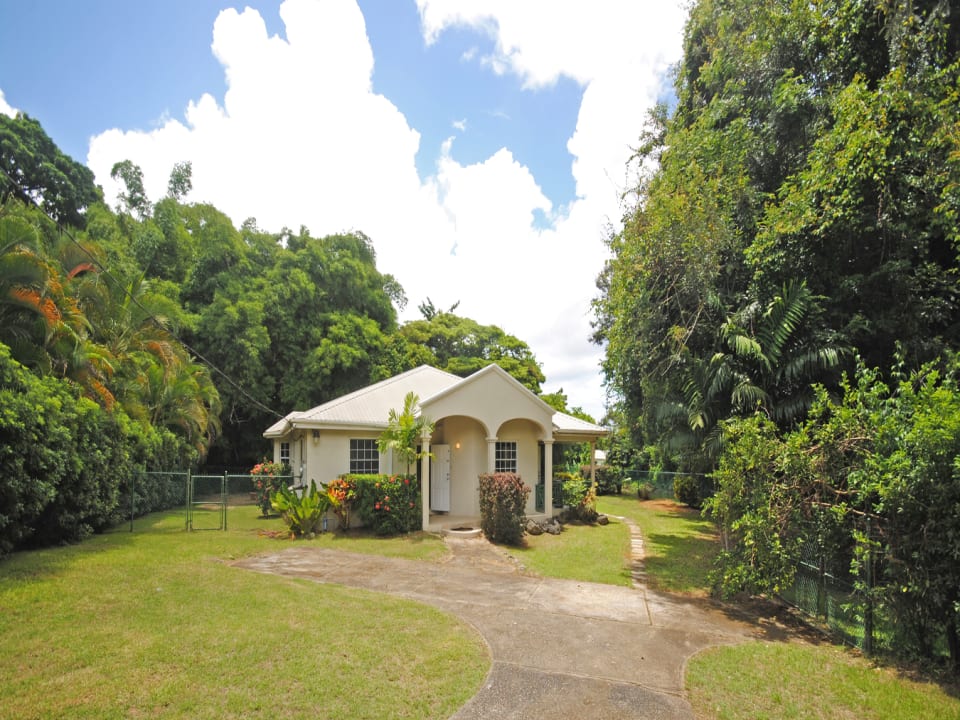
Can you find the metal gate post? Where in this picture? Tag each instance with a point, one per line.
(189, 508)
(223, 499)
(133, 487)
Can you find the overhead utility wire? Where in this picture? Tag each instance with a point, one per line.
(136, 302)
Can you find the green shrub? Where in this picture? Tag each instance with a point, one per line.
(644, 490)
(302, 512)
(32, 455)
(388, 504)
(608, 478)
(574, 488)
(88, 492)
(503, 501)
(64, 460)
(686, 489)
(580, 497)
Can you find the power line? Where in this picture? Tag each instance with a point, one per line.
(104, 271)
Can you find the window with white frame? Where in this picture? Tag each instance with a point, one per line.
(364, 457)
(505, 459)
(285, 453)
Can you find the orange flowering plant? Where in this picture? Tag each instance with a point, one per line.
(342, 492)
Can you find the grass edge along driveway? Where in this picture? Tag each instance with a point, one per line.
(790, 679)
(802, 677)
(155, 624)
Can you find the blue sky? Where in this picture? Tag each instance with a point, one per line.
(127, 64)
(479, 143)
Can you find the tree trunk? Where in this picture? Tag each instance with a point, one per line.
(953, 643)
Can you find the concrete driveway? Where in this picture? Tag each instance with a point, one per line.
(560, 648)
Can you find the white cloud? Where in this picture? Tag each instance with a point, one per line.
(618, 52)
(5, 108)
(301, 138)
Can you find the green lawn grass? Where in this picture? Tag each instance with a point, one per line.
(155, 624)
(679, 545)
(768, 680)
(591, 553)
(802, 681)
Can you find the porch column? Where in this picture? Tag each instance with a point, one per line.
(425, 481)
(593, 462)
(491, 454)
(548, 477)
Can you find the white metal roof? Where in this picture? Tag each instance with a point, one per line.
(370, 407)
(567, 427)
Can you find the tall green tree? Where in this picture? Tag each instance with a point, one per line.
(133, 198)
(462, 346)
(34, 170)
(813, 142)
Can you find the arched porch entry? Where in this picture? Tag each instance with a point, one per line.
(461, 449)
(458, 454)
(486, 423)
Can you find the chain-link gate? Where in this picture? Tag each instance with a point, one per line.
(206, 502)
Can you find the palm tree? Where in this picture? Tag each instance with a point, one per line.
(26, 313)
(40, 320)
(771, 365)
(768, 365)
(404, 430)
(183, 399)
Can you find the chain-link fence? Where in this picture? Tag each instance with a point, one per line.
(660, 483)
(206, 498)
(827, 590)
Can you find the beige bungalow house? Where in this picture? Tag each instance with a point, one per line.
(487, 422)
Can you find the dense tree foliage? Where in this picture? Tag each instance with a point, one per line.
(798, 208)
(33, 169)
(877, 473)
(462, 346)
(813, 146)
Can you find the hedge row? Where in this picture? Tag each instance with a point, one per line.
(66, 463)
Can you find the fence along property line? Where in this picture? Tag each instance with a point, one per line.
(824, 586)
(202, 495)
(824, 590)
(662, 481)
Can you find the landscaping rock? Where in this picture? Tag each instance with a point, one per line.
(603, 520)
(533, 528)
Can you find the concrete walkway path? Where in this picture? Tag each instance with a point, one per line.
(560, 648)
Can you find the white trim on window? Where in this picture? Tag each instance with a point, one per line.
(505, 457)
(364, 457)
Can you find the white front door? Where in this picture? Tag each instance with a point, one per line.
(440, 478)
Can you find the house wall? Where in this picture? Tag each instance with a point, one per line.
(469, 461)
(328, 456)
(325, 458)
(493, 399)
(526, 434)
(298, 451)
